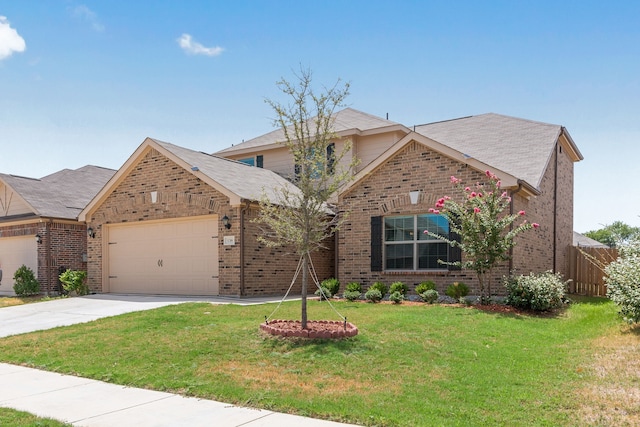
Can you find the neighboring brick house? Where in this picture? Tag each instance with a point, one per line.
(178, 221)
(383, 239)
(39, 224)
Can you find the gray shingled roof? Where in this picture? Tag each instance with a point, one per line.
(62, 194)
(584, 241)
(519, 147)
(239, 178)
(346, 119)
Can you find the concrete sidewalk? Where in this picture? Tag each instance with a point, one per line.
(84, 402)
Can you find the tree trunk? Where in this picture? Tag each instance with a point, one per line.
(305, 278)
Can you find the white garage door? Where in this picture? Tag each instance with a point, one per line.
(178, 257)
(14, 252)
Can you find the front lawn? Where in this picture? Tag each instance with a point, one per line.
(13, 418)
(409, 366)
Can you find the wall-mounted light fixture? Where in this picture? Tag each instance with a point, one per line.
(226, 222)
(38, 238)
(91, 232)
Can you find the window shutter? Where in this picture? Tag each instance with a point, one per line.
(259, 161)
(455, 253)
(376, 243)
(331, 158)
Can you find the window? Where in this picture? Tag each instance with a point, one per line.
(328, 162)
(407, 247)
(249, 161)
(253, 161)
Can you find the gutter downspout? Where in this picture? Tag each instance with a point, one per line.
(555, 213)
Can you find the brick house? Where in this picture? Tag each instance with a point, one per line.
(403, 171)
(39, 224)
(177, 221)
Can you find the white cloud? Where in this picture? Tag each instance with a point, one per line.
(10, 40)
(192, 47)
(84, 13)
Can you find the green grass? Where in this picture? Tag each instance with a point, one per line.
(13, 418)
(409, 366)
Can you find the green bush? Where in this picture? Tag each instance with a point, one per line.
(623, 282)
(25, 282)
(399, 287)
(425, 286)
(382, 287)
(457, 290)
(332, 284)
(539, 292)
(430, 296)
(373, 295)
(351, 295)
(396, 297)
(354, 287)
(74, 281)
(324, 294)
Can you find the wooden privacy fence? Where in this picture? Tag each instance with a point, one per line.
(586, 269)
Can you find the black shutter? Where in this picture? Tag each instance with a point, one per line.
(259, 161)
(455, 253)
(376, 243)
(331, 158)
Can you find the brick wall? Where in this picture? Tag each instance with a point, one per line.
(554, 213)
(386, 192)
(269, 271)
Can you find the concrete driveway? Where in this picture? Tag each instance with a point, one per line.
(69, 311)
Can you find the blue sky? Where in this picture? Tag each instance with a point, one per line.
(85, 82)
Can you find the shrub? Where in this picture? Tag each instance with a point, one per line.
(332, 284)
(399, 287)
(539, 292)
(623, 282)
(382, 287)
(425, 286)
(396, 297)
(74, 281)
(354, 287)
(373, 295)
(457, 290)
(351, 295)
(429, 296)
(353, 291)
(25, 282)
(324, 293)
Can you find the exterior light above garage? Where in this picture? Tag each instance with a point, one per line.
(226, 222)
(38, 238)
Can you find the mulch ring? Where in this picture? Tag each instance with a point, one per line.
(324, 329)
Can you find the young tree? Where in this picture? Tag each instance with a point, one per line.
(485, 232)
(303, 218)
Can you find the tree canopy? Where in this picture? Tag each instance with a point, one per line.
(614, 234)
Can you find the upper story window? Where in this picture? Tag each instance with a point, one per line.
(407, 247)
(253, 161)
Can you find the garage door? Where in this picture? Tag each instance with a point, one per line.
(14, 252)
(178, 257)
